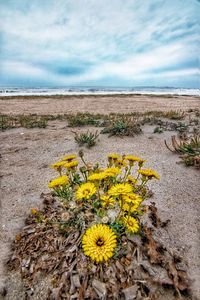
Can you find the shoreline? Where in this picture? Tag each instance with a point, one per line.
(164, 95)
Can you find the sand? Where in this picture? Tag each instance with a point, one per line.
(95, 104)
(27, 153)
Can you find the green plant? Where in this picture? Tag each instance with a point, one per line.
(125, 126)
(89, 138)
(189, 150)
(181, 127)
(171, 114)
(158, 129)
(26, 121)
(83, 119)
(6, 122)
(33, 121)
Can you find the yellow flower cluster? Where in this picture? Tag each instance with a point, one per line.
(121, 161)
(114, 194)
(66, 162)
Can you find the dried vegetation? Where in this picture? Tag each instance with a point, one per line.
(144, 268)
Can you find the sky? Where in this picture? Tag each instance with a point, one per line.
(122, 43)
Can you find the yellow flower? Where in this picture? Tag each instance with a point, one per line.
(86, 191)
(149, 173)
(109, 172)
(131, 179)
(113, 156)
(120, 189)
(132, 159)
(71, 165)
(132, 198)
(60, 181)
(58, 165)
(112, 172)
(131, 224)
(129, 207)
(107, 200)
(34, 211)
(69, 157)
(130, 202)
(99, 242)
(97, 176)
(120, 163)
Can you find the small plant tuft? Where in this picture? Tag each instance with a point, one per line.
(125, 126)
(158, 129)
(189, 150)
(89, 138)
(84, 119)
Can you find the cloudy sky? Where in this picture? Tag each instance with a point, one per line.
(99, 42)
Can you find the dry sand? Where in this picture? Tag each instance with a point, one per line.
(95, 104)
(27, 153)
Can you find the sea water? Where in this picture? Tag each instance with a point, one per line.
(41, 91)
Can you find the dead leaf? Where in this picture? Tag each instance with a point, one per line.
(130, 293)
(152, 247)
(100, 288)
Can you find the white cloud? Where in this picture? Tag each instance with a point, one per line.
(140, 65)
(21, 69)
(115, 38)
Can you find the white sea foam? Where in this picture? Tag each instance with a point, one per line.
(10, 91)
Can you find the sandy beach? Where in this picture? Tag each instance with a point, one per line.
(99, 150)
(27, 153)
(95, 104)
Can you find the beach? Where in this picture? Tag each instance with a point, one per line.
(26, 155)
(95, 104)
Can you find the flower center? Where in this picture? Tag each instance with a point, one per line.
(86, 192)
(100, 242)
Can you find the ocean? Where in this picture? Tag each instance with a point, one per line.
(41, 91)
